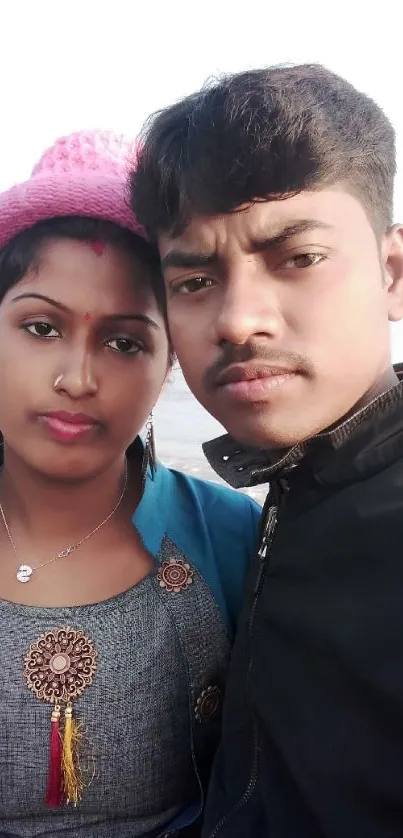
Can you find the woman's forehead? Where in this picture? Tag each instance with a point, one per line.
(77, 271)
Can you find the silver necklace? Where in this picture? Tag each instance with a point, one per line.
(25, 571)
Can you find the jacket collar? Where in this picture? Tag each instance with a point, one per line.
(369, 439)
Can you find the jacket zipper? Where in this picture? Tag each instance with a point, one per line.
(262, 555)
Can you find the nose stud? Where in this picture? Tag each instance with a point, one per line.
(57, 382)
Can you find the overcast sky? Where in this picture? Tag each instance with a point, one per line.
(109, 63)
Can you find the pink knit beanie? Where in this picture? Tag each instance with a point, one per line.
(83, 174)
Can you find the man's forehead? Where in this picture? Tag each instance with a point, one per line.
(306, 211)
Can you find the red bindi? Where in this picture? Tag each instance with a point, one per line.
(87, 316)
(98, 247)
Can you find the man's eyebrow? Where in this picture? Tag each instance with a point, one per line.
(295, 228)
(186, 259)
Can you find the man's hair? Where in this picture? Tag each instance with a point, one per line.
(258, 135)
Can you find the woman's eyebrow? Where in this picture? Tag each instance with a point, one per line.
(143, 318)
(33, 295)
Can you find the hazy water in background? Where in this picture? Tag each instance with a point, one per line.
(181, 426)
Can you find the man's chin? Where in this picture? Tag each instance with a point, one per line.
(273, 423)
(258, 434)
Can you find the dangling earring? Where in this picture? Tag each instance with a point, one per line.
(149, 456)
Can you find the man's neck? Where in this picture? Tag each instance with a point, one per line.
(387, 380)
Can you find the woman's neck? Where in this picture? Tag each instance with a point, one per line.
(50, 511)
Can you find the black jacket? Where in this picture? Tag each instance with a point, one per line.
(313, 722)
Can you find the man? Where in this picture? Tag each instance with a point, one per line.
(270, 196)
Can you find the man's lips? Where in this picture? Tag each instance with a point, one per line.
(241, 372)
(252, 383)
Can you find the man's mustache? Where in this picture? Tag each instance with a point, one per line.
(261, 355)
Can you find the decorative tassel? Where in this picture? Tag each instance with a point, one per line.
(72, 782)
(54, 791)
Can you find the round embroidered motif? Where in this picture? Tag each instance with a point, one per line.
(60, 665)
(207, 704)
(175, 575)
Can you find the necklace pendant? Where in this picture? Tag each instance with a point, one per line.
(65, 552)
(24, 573)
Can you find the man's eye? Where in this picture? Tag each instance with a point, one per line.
(125, 346)
(197, 283)
(304, 260)
(42, 330)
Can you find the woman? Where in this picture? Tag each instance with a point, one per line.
(120, 580)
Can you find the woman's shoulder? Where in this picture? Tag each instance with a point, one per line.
(212, 503)
(215, 529)
(210, 495)
(179, 502)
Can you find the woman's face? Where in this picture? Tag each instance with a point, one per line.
(84, 318)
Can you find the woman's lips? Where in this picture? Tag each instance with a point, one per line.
(66, 427)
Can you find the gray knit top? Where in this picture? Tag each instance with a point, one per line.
(137, 757)
(151, 716)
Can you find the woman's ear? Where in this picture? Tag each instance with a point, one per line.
(169, 378)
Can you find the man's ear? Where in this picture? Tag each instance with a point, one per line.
(392, 256)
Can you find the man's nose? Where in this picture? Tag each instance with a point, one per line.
(249, 308)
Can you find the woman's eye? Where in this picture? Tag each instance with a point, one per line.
(197, 283)
(126, 346)
(42, 330)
